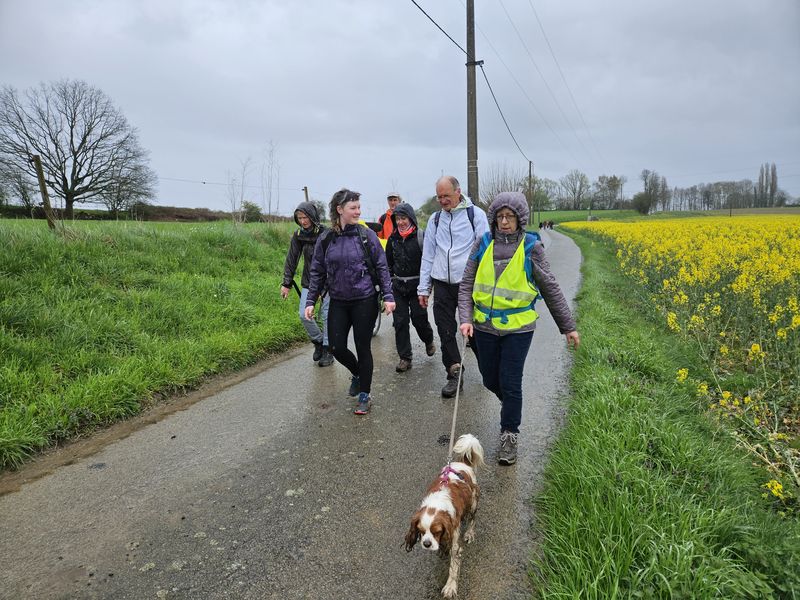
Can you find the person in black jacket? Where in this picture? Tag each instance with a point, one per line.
(404, 256)
(303, 242)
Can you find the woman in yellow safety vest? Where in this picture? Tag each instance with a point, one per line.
(506, 273)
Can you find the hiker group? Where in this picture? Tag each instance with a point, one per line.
(484, 271)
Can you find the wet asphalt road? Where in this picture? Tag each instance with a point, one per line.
(271, 488)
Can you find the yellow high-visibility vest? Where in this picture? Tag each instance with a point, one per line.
(508, 300)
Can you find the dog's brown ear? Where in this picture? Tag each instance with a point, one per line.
(446, 540)
(412, 537)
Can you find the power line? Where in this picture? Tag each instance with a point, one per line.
(527, 97)
(564, 79)
(483, 71)
(502, 116)
(546, 85)
(440, 29)
(257, 187)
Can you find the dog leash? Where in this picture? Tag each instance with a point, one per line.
(455, 405)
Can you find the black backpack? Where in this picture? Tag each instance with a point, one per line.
(327, 238)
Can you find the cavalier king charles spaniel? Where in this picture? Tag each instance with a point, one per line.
(451, 499)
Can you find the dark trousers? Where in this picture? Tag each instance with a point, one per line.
(445, 311)
(501, 359)
(407, 303)
(360, 315)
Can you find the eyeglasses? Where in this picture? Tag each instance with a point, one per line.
(506, 218)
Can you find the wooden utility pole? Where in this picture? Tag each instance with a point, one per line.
(305, 189)
(472, 107)
(48, 211)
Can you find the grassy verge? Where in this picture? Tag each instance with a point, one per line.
(94, 323)
(645, 497)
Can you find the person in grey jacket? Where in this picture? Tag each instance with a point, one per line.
(343, 260)
(505, 274)
(449, 237)
(302, 244)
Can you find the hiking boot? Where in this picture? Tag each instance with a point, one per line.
(403, 366)
(326, 360)
(430, 349)
(364, 402)
(317, 351)
(355, 386)
(452, 386)
(507, 454)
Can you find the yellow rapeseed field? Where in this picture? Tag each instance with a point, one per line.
(731, 284)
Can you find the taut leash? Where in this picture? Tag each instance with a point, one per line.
(455, 405)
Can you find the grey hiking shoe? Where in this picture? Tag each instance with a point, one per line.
(507, 454)
(403, 366)
(317, 351)
(326, 360)
(451, 387)
(355, 386)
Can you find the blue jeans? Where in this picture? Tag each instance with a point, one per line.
(313, 330)
(501, 359)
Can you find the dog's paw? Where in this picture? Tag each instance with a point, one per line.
(469, 536)
(450, 589)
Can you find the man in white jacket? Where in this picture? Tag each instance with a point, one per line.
(449, 237)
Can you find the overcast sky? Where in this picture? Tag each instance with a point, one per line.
(369, 95)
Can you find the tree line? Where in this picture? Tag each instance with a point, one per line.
(574, 191)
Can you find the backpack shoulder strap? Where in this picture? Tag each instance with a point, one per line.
(471, 215)
(420, 238)
(436, 217)
(485, 241)
(530, 241)
(326, 237)
(373, 272)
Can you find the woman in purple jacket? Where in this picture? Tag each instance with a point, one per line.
(343, 261)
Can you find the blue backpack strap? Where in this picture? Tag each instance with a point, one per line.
(485, 241)
(530, 241)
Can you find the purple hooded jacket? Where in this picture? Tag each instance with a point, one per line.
(343, 268)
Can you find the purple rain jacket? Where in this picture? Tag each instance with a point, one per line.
(343, 268)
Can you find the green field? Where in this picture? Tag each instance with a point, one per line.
(95, 322)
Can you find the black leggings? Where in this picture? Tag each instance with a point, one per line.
(361, 316)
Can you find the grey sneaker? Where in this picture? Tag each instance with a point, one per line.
(507, 454)
(403, 366)
(355, 386)
(326, 360)
(451, 387)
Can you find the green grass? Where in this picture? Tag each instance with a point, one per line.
(644, 496)
(95, 322)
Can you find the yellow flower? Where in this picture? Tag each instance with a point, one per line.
(726, 394)
(781, 333)
(776, 488)
(672, 321)
(756, 353)
(682, 375)
(702, 389)
(716, 310)
(723, 350)
(747, 399)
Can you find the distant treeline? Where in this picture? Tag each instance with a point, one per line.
(140, 212)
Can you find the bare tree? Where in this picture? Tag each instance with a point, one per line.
(19, 187)
(576, 189)
(84, 141)
(270, 172)
(236, 190)
(498, 179)
(131, 186)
